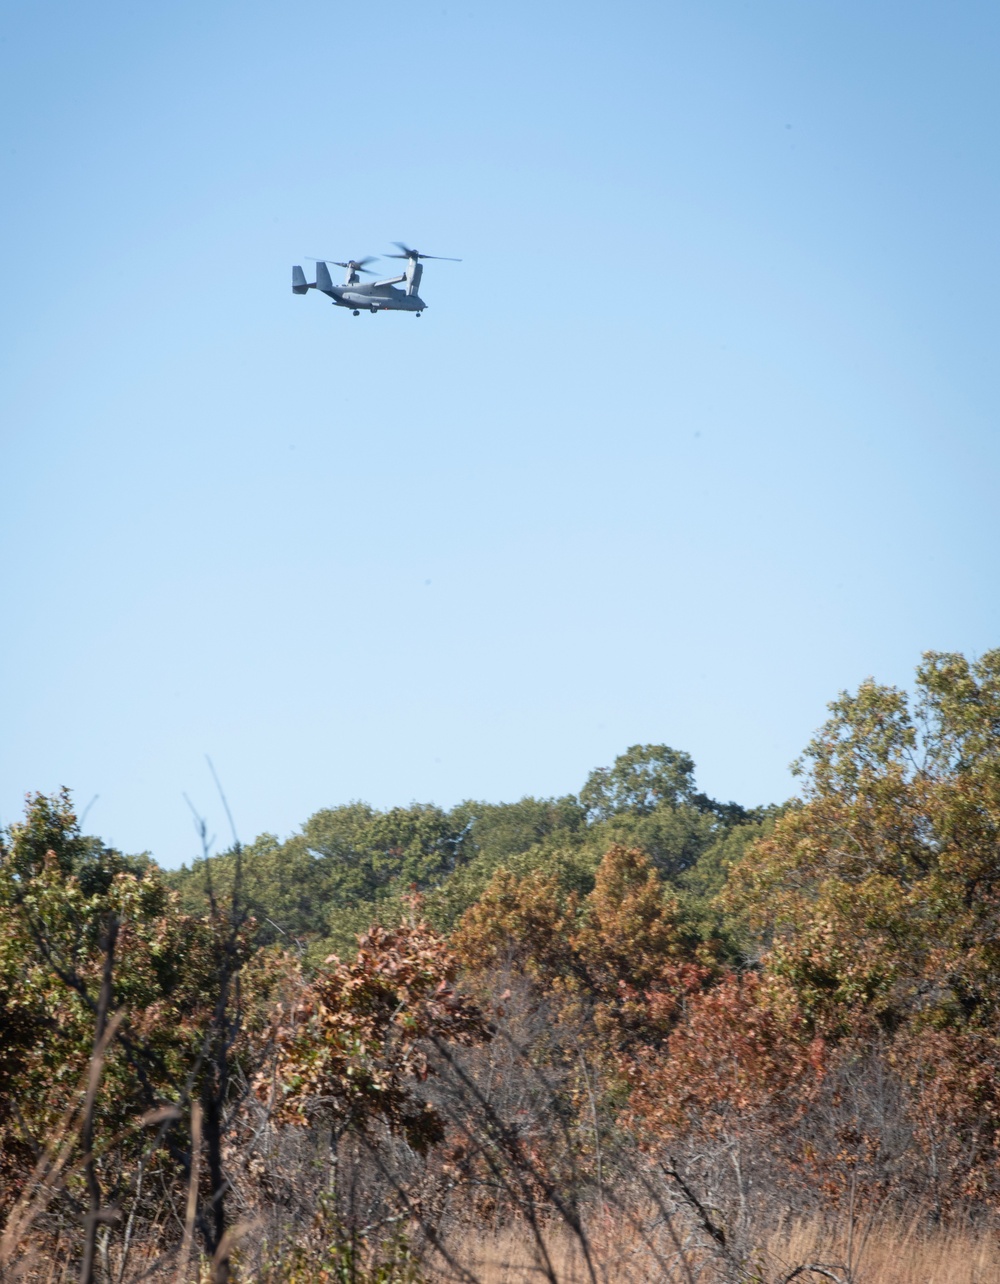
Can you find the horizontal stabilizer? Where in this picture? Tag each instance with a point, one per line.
(299, 283)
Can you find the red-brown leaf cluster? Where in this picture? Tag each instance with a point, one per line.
(353, 1042)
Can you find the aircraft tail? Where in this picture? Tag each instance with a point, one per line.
(414, 271)
(299, 283)
(323, 281)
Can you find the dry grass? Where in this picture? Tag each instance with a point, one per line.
(511, 1258)
(891, 1254)
(896, 1254)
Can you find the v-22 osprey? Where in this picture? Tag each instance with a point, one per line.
(372, 296)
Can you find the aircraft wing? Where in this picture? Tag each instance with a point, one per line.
(392, 280)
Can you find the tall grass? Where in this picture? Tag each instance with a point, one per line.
(894, 1253)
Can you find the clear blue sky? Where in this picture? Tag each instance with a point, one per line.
(701, 431)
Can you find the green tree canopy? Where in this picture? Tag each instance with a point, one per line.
(641, 779)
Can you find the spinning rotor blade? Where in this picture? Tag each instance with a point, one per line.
(415, 254)
(356, 265)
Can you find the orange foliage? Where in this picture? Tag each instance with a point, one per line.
(620, 960)
(519, 921)
(629, 926)
(734, 1059)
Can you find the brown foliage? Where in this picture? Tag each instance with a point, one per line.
(522, 922)
(879, 901)
(352, 1043)
(618, 962)
(735, 1059)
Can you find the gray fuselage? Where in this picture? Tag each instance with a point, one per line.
(374, 295)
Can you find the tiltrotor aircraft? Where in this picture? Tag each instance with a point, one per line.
(375, 296)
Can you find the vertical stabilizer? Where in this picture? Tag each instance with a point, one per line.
(299, 283)
(323, 281)
(414, 271)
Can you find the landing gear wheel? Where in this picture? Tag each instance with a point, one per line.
(356, 312)
(373, 311)
(420, 314)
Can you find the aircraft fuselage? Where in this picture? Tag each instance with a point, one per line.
(375, 295)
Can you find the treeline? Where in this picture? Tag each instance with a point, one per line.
(659, 1028)
(352, 865)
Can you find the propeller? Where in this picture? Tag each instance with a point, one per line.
(355, 265)
(415, 254)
